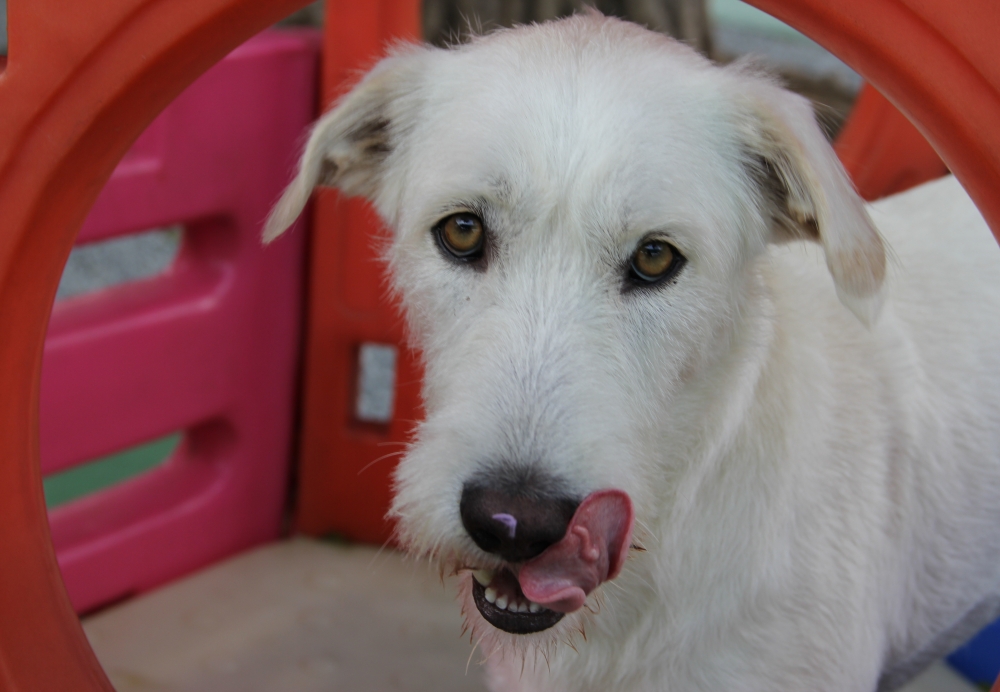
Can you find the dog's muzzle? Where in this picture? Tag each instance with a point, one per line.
(556, 549)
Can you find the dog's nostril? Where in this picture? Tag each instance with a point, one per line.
(515, 526)
(486, 540)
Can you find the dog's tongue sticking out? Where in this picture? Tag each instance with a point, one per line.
(592, 551)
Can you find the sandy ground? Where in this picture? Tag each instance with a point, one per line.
(294, 616)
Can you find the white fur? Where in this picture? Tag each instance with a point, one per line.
(818, 500)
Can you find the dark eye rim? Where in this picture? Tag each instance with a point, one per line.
(635, 279)
(472, 256)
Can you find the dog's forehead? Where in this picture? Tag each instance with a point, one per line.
(630, 128)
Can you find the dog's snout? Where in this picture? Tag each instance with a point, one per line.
(517, 527)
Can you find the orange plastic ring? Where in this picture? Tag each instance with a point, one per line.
(936, 61)
(82, 81)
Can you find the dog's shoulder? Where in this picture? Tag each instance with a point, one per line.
(944, 276)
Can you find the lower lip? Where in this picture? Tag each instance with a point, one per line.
(515, 623)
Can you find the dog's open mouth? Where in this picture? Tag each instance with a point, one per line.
(557, 581)
(501, 602)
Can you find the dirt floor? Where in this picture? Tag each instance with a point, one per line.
(307, 616)
(295, 616)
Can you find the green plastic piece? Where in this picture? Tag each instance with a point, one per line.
(99, 474)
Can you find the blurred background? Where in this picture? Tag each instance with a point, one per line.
(720, 29)
(724, 30)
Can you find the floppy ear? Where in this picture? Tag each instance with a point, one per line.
(348, 146)
(809, 196)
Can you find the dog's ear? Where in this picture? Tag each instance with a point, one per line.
(348, 145)
(808, 195)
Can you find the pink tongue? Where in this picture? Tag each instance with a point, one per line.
(592, 551)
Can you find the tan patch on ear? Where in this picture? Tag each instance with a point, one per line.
(372, 136)
(791, 208)
(328, 173)
(348, 146)
(811, 227)
(778, 162)
(859, 269)
(809, 196)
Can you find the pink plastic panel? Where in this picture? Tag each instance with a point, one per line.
(210, 347)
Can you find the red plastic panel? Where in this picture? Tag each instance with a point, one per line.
(345, 463)
(882, 151)
(208, 347)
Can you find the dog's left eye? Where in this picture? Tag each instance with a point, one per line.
(654, 261)
(462, 236)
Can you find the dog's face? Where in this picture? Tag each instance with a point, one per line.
(578, 213)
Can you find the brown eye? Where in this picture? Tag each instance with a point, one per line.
(655, 260)
(462, 235)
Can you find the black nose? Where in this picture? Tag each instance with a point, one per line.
(517, 526)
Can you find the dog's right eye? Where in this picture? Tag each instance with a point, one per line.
(462, 236)
(654, 261)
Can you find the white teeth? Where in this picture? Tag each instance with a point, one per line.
(503, 601)
(483, 576)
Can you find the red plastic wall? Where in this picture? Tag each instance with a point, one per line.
(882, 151)
(345, 464)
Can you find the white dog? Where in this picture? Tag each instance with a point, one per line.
(623, 265)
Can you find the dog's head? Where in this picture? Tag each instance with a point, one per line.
(578, 212)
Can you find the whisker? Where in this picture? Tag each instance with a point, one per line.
(381, 458)
(474, 647)
(411, 421)
(645, 527)
(498, 647)
(378, 554)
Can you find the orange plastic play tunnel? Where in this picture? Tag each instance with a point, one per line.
(82, 80)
